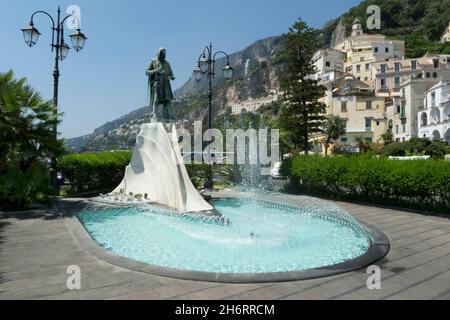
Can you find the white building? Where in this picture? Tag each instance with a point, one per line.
(434, 120)
(328, 63)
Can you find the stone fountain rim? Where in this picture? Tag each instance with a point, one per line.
(379, 249)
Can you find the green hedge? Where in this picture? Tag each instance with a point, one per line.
(103, 171)
(414, 184)
(93, 172)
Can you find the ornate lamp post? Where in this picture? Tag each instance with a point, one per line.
(61, 49)
(206, 66)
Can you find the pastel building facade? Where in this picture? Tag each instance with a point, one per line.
(364, 113)
(388, 76)
(362, 50)
(434, 118)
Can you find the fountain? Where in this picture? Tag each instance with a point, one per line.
(157, 222)
(157, 171)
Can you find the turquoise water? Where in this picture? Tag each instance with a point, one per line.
(261, 237)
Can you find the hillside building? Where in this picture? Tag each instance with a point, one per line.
(365, 113)
(362, 50)
(434, 118)
(387, 76)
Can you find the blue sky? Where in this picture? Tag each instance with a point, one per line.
(106, 80)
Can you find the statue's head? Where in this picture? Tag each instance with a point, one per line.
(162, 54)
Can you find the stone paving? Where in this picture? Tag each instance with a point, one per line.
(36, 249)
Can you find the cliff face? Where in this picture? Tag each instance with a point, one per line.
(338, 34)
(243, 62)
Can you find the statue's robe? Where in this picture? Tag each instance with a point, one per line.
(161, 89)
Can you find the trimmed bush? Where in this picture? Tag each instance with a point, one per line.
(414, 184)
(94, 172)
(104, 171)
(417, 146)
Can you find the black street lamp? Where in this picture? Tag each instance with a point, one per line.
(206, 66)
(61, 49)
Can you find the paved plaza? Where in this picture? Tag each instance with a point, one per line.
(36, 248)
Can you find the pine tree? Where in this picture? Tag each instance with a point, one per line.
(302, 114)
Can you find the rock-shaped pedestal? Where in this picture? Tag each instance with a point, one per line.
(157, 171)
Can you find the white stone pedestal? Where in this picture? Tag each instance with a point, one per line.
(157, 171)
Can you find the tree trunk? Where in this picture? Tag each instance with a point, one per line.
(306, 133)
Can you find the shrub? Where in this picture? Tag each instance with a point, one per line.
(20, 188)
(198, 174)
(416, 184)
(104, 171)
(94, 172)
(416, 146)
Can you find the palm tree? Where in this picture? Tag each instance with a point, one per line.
(27, 138)
(26, 122)
(334, 128)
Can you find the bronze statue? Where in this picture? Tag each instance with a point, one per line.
(160, 91)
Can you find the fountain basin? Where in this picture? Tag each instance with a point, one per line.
(265, 241)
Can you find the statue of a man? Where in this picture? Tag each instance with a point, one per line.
(159, 75)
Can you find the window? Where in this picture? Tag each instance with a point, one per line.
(436, 63)
(397, 67)
(403, 112)
(344, 139)
(368, 124)
(368, 140)
(396, 129)
(367, 66)
(435, 75)
(414, 65)
(397, 82)
(383, 68)
(344, 106)
(386, 50)
(361, 59)
(376, 49)
(327, 64)
(433, 99)
(366, 78)
(368, 104)
(358, 68)
(428, 75)
(378, 123)
(404, 128)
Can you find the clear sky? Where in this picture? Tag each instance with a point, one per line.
(107, 79)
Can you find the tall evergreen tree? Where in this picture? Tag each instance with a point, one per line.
(302, 114)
